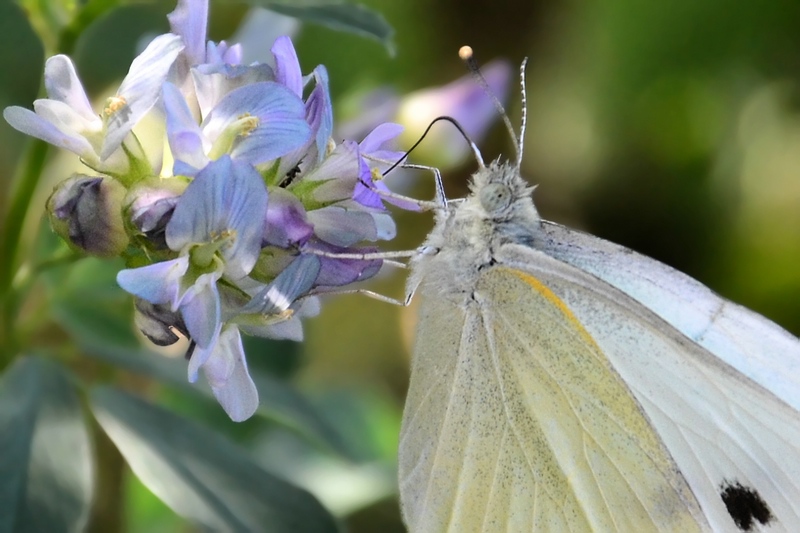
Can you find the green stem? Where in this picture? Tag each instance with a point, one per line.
(25, 183)
(36, 316)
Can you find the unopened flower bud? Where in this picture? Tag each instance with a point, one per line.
(150, 209)
(86, 211)
(158, 323)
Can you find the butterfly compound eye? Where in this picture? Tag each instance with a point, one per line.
(495, 197)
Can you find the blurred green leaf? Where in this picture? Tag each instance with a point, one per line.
(104, 51)
(200, 474)
(45, 464)
(351, 18)
(368, 419)
(281, 358)
(141, 361)
(25, 59)
(278, 401)
(87, 302)
(86, 14)
(49, 18)
(25, 62)
(283, 403)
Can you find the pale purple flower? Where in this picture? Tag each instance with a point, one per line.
(225, 367)
(211, 82)
(211, 228)
(334, 179)
(319, 111)
(376, 157)
(286, 224)
(348, 223)
(276, 309)
(219, 258)
(190, 21)
(338, 272)
(342, 210)
(219, 206)
(256, 123)
(278, 296)
(287, 65)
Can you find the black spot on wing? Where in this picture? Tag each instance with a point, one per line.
(745, 505)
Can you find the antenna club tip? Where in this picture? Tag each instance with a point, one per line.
(465, 53)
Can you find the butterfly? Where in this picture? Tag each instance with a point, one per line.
(561, 382)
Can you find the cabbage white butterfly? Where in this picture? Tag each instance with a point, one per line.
(563, 383)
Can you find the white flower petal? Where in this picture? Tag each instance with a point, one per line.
(62, 84)
(68, 120)
(31, 124)
(140, 89)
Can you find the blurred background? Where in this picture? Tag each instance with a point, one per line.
(670, 127)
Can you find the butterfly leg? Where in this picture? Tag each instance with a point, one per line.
(368, 293)
(365, 256)
(440, 200)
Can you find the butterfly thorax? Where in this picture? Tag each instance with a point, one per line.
(469, 232)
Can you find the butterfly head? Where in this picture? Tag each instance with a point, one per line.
(501, 195)
(500, 208)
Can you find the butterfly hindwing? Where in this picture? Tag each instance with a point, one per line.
(750, 343)
(735, 442)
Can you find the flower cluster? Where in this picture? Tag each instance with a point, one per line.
(246, 214)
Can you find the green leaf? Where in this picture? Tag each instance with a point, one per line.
(278, 400)
(200, 474)
(87, 302)
(351, 18)
(45, 464)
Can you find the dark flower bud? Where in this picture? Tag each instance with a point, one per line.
(86, 211)
(158, 323)
(152, 218)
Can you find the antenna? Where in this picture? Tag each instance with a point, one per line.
(460, 129)
(524, 121)
(467, 56)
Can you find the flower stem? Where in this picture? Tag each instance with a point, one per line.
(25, 183)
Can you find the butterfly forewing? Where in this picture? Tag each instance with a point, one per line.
(515, 421)
(563, 383)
